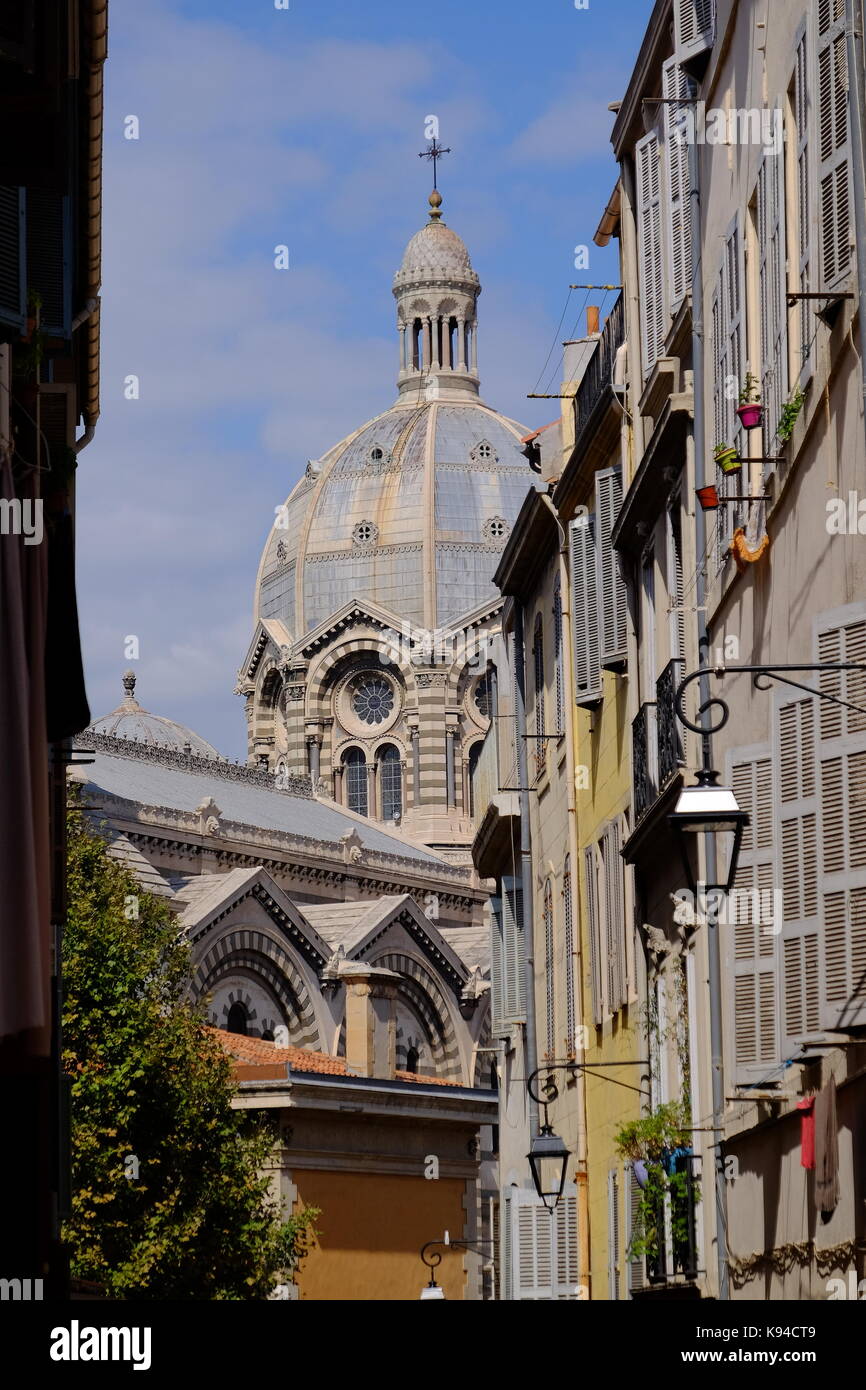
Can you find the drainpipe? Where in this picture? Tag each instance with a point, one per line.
(714, 961)
(857, 120)
(584, 1277)
(525, 853)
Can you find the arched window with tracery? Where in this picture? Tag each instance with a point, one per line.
(355, 775)
(390, 782)
(412, 1060)
(474, 755)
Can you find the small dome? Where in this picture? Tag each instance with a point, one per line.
(130, 721)
(435, 253)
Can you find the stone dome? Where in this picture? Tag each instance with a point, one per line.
(412, 511)
(132, 722)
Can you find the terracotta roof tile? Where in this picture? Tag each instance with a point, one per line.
(257, 1055)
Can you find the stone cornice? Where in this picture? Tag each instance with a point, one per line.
(192, 762)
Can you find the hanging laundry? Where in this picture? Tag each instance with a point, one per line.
(826, 1149)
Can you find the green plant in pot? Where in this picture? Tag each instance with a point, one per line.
(788, 419)
(726, 457)
(750, 410)
(653, 1144)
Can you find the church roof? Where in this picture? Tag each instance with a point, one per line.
(130, 720)
(243, 800)
(257, 1052)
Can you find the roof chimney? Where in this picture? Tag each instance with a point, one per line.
(591, 319)
(371, 1025)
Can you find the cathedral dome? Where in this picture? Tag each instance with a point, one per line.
(413, 510)
(132, 722)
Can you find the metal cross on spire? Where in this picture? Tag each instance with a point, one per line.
(434, 153)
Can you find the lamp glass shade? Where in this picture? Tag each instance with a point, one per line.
(708, 809)
(548, 1161)
(432, 1291)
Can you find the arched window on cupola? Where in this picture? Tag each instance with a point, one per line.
(237, 1020)
(417, 328)
(355, 774)
(412, 1060)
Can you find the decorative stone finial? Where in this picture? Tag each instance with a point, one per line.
(435, 205)
(129, 679)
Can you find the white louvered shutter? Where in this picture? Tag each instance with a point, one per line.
(497, 1011)
(694, 26)
(805, 201)
(593, 931)
(834, 156)
(677, 87)
(568, 934)
(549, 975)
(513, 953)
(636, 1269)
(614, 909)
(751, 924)
(586, 652)
(727, 328)
(610, 589)
(653, 313)
(798, 836)
(675, 585)
(565, 1242)
(613, 1234)
(842, 745)
(772, 276)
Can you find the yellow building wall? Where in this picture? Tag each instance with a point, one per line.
(371, 1230)
(602, 745)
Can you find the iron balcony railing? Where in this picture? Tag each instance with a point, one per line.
(671, 755)
(599, 373)
(644, 759)
(674, 1247)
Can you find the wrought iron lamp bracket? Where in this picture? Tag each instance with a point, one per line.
(763, 678)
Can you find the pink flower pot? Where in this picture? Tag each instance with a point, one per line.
(750, 416)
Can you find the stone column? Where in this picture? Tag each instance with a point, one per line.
(372, 807)
(426, 336)
(338, 785)
(461, 344)
(436, 331)
(314, 745)
(416, 767)
(451, 797)
(402, 348)
(475, 348)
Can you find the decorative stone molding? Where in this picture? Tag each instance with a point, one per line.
(424, 679)
(366, 533)
(190, 762)
(321, 557)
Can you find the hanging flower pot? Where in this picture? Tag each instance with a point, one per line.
(726, 457)
(751, 415)
(708, 498)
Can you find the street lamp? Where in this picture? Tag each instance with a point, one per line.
(548, 1161)
(708, 809)
(434, 1259)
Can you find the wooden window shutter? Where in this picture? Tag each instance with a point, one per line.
(13, 259)
(49, 267)
(727, 321)
(564, 1221)
(653, 316)
(586, 652)
(677, 86)
(772, 278)
(694, 26)
(550, 982)
(568, 933)
(843, 796)
(675, 584)
(834, 174)
(613, 1234)
(614, 911)
(609, 586)
(751, 926)
(559, 673)
(798, 836)
(497, 979)
(593, 931)
(543, 1246)
(636, 1271)
(513, 952)
(805, 200)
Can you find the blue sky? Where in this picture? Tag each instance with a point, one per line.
(260, 127)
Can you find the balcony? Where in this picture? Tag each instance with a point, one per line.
(644, 743)
(674, 1254)
(596, 384)
(671, 754)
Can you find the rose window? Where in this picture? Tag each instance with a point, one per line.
(365, 533)
(372, 699)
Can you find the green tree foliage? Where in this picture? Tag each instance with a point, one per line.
(168, 1197)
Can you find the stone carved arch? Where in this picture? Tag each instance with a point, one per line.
(259, 953)
(422, 992)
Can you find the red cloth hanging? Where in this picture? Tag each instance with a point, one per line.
(807, 1131)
